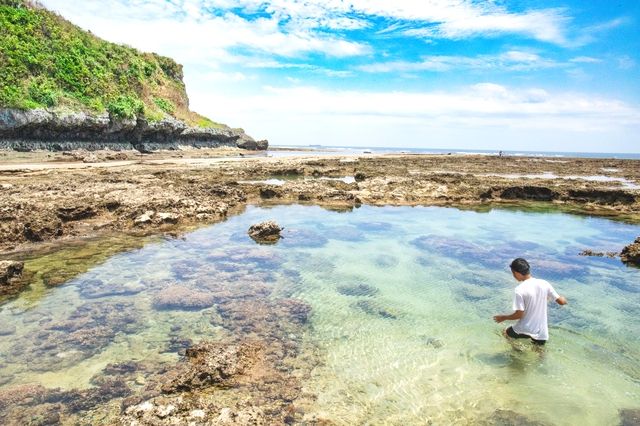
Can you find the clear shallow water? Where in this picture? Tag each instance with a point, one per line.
(402, 300)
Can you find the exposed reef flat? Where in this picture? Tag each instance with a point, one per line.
(53, 196)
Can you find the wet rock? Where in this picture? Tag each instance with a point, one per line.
(268, 193)
(181, 297)
(178, 344)
(10, 270)
(42, 228)
(630, 417)
(359, 177)
(372, 308)
(95, 288)
(589, 252)
(631, 253)
(265, 232)
(211, 364)
(602, 197)
(73, 213)
(89, 328)
(357, 290)
(536, 193)
(145, 218)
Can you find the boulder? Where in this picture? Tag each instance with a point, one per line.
(631, 253)
(265, 232)
(10, 269)
(168, 217)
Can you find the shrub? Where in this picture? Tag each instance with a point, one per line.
(165, 105)
(43, 92)
(125, 106)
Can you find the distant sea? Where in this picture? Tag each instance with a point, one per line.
(320, 150)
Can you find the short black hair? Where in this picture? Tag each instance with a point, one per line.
(521, 266)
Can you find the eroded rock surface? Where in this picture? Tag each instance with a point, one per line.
(631, 253)
(267, 232)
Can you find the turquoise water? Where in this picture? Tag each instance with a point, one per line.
(402, 302)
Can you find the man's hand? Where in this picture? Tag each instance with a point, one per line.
(561, 300)
(514, 316)
(499, 318)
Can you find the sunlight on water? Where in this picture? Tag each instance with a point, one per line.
(402, 304)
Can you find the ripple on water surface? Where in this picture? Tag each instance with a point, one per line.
(401, 304)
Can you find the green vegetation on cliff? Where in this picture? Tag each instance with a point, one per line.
(46, 61)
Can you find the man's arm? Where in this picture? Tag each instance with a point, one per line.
(561, 300)
(514, 316)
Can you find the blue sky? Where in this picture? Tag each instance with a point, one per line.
(540, 75)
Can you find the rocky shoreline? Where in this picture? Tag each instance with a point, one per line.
(42, 129)
(55, 199)
(255, 374)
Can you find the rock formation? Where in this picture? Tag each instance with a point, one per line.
(631, 253)
(265, 232)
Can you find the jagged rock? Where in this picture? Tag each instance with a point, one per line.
(211, 363)
(372, 308)
(180, 297)
(10, 269)
(168, 217)
(144, 218)
(265, 232)
(42, 228)
(27, 130)
(71, 213)
(631, 253)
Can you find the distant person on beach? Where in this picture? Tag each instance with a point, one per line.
(530, 305)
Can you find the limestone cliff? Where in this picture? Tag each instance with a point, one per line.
(62, 87)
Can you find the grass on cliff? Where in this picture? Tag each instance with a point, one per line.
(47, 62)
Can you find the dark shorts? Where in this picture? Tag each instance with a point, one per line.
(515, 335)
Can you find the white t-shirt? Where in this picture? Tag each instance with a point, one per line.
(531, 296)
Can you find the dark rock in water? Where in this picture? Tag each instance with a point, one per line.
(178, 344)
(630, 417)
(10, 269)
(386, 261)
(357, 290)
(591, 253)
(267, 232)
(12, 278)
(303, 238)
(509, 418)
(89, 329)
(625, 284)
(498, 256)
(372, 308)
(474, 293)
(433, 342)
(94, 288)
(181, 297)
(211, 363)
(631, 253)
(374, 226)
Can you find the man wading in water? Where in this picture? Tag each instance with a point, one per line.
(530, 305)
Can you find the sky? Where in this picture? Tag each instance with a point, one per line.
(542, 75)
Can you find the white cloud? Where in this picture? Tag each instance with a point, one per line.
(585, 60)
(513, 60)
